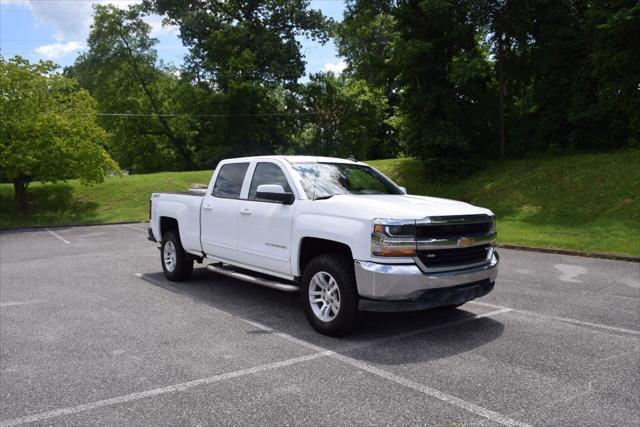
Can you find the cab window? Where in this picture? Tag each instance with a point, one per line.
(229, 181)
(267, 173)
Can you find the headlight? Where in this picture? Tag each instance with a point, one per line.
(393, 238)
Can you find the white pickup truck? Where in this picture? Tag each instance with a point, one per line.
(338, 231)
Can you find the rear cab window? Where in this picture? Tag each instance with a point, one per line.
(229, 180)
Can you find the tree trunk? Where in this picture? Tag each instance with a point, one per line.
(20, 188)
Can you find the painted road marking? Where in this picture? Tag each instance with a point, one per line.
(382, 373)
(444, 397)
(59, 237)
(432, 392)
(318, 353)
(43, 416)
(12, 303)
(561, 319)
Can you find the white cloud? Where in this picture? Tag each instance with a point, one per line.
(337, 67)
(157, 28)
(72, 19)
(56, 50)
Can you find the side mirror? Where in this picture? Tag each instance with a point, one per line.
(404, 190)
(274, 192)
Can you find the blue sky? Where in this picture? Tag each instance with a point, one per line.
(57, 30)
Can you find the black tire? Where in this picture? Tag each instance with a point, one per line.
(180, 269)
(340, 268)
(451, 307)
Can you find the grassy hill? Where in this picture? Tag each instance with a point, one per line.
(588, 202)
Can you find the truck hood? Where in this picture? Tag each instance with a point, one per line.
(399, 206)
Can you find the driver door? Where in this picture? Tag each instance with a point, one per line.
(264, 227)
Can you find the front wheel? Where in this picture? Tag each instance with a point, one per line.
(176, 263)
(329, 294)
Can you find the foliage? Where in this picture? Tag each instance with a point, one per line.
(427, 57)
(367, 36)
(121, 70)
(48, 130)
(567, 73)
(244, 59)
(345, 115)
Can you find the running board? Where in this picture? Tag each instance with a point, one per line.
(274, 284)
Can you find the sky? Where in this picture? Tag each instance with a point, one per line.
(57, 30)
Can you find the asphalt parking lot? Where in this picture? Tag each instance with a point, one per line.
(92, 333)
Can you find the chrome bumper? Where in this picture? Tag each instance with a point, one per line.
(406, 282)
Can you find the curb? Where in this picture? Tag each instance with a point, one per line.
(627, 258)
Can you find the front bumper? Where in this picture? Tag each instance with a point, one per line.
(394, 287)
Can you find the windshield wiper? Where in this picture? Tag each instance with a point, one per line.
(324, 197)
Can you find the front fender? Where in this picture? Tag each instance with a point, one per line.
(353, 232)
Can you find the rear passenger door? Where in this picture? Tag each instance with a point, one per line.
(264, 227)
(220, 212)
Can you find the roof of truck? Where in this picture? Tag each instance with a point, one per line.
(297, 159)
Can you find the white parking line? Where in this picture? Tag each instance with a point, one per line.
(12, 303)
(452, 400)
(43, 416)
(432, 392)
(390, 376)
(132, 227)
(318, 352)
(59, 237)
(561, 319)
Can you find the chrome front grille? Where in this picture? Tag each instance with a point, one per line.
(454, 227)
(438, 231)
(454, 242)
(438, 258)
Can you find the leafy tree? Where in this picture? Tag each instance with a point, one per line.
(445, 79)
(345, 114)
(367, 37)
(616, 67)
(122, 72)
(48, 130)
(243, 55)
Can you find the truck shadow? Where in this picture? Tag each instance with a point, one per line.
(387, 338)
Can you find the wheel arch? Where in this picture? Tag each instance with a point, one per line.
(311, 247)
(168, 224)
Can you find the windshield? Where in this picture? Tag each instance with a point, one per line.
(324, 180)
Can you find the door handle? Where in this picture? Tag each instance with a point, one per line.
(245, 211)
(207, 206)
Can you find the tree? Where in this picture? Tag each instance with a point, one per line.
(244, 58)
(48, 130)
(366, 37)
(445, 79)
(122, 72)
(344, 118)
(616, 67)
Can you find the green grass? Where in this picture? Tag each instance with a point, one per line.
(117, 199)
(586, 202)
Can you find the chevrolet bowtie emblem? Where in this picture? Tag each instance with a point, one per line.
(466, 241)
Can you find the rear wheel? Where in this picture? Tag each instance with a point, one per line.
(176, 263)
(329, 294)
